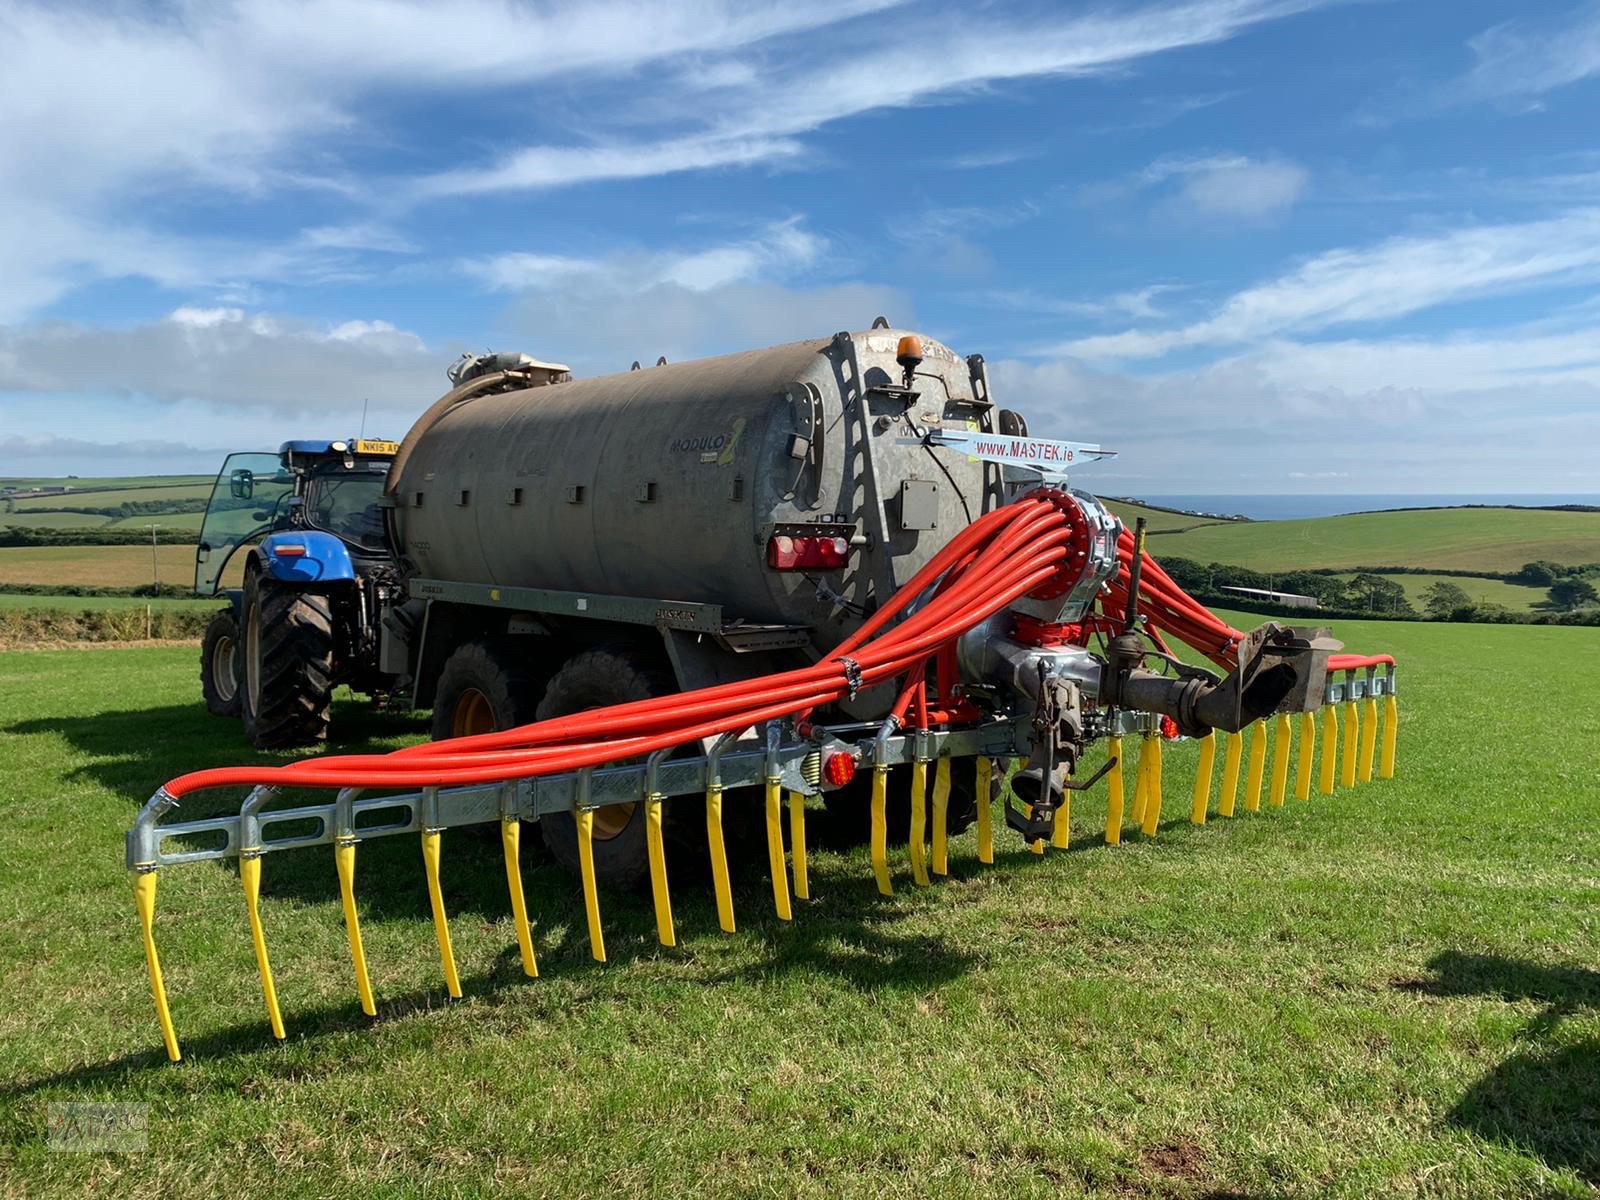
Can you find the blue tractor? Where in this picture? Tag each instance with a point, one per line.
(319, 568)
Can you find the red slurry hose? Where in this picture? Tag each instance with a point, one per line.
(999, 558)
(1174, 610)
(625, 716)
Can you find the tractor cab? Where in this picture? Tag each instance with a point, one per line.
(333, 487)
(319, 567)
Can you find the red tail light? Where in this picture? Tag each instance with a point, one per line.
(807, 552)
(1169, 729)
(839, 768)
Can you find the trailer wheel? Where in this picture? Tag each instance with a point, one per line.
(485, 687)
(594, 679)
(219, 665)
(288, 645)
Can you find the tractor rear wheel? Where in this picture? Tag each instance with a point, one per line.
(288, 664)
(597, 678)
(219, 665)
(485, 687)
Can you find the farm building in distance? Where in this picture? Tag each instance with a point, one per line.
(1287, 599)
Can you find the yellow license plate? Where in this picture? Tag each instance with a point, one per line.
(371, 447)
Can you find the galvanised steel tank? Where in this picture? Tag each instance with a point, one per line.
(739, 480)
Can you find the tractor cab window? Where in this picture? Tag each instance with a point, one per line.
(249, 499)
(349, 505)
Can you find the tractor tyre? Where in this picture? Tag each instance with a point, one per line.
(487, 686)
(219, 665)
(288, 664)
(612, 674)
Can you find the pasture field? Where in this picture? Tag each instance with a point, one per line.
(1478, 539)
(53, 520)
(1390, 991)
(100, 483)
(191, 521)
(111, 497)
(1160, 519)
(1516, 596)
(95, 566)
(106, 603)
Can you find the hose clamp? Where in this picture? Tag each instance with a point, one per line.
(852, 675)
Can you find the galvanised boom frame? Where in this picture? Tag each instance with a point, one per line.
(791, 760)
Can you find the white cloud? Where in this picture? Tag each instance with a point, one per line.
(1243, 189)
(538, 168)
(1524, 60)
(599, 314)
(1278, 423)
(781, 247)
(226, 360)
(598, 326)
(1228, 189)
(1394, 278)
(868, 74)
(256, 97)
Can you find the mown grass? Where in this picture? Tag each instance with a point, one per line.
(97, 566)
(124, 485)
(1156, 519)
(1516, 596)
(53, 520)
(1476, 539)
(1390, 991)
(105, 603)
(166, 520)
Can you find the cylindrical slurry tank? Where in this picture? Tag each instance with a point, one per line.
(670, 482)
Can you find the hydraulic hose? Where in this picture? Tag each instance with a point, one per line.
(993, 562)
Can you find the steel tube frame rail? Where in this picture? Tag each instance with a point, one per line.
(251, 829)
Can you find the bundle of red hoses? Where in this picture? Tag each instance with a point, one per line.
(1000, 557)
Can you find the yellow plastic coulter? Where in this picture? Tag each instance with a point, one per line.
(776, 767)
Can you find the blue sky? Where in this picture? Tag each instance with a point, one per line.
(1255, 245)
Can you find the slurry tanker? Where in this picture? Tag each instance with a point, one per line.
(831, 570)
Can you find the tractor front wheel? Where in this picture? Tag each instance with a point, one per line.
(219, 665)
(288, 664)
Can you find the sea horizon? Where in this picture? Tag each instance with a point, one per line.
(1288, 507)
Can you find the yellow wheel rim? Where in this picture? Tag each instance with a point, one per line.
(473, 714)
(612, 820)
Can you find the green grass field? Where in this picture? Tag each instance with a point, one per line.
(97, 566)
(1515, 596)
(1391, 991)
(104, 482)
(54, 520)
(1492, 539)
(102, 603)
(1159, 519)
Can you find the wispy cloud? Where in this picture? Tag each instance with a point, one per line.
(779, 247)
(968, 53)
(1523, 60)
(1233, 189)
(1394, 278)
(226, 360)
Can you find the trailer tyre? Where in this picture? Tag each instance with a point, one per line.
(485, 687)
(288, 674)
(594, 679)
(220, 665)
